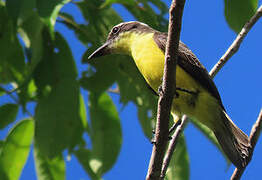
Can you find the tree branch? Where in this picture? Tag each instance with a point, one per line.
(168, 89)
(236, 44)
(256, 129)
(253, 137)
(172, 146)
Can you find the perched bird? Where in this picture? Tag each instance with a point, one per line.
(198, 96)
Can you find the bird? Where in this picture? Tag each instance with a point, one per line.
(198, 97)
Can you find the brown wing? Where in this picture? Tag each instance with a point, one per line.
(189, 62)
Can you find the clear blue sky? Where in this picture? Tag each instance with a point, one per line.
(205, 31)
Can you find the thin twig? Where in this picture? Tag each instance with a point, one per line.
(172, 146)
(253, 138)
(168, 89)
(236, 44)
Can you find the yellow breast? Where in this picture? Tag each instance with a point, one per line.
(150, 61)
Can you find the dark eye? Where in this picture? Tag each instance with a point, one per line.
(115, 30)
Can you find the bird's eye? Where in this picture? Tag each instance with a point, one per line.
(115, 30)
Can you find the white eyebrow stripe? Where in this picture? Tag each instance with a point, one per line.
(131, 22)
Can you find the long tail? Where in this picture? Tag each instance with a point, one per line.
(233, 141)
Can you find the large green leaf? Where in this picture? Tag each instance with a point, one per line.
(105, 133)
(90, 165)
(8, 114)
(238, 12)
(99, 20)
(143, 12)
(15, 150)
(179, 165)
(13, 8)
(31, 30)
(12, 62)
(48, 10)
(53, 169)
(57, 115)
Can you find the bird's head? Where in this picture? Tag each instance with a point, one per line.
(120, 38)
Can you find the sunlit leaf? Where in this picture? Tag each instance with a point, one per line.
(49, 168)
(8, 114)
(57, 115)
(82, 112)
(84, 156)
(15, 149)
(48, 10)
(238, 12)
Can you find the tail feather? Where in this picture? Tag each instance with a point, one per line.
(233, 141)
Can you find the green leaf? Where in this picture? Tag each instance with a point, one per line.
(210, 135)
(99, 20)
(84, 156)
(110, 2)
(95, 80)
(16, 149)
(57, 115)
(19, 9)
(2, 91)
(105, 134)
(8, 113)
(179, 168)
(13, 8)
(49, 168)
(82, 112)
(238, 12)
(143, 12)
(48, 10)
(31, 29)
(12, 62)
(145, 121)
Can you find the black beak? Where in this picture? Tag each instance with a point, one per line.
(102, 51)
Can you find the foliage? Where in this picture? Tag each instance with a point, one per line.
(36, 61)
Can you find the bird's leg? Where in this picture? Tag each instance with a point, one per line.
(173, 128)
(153, 140)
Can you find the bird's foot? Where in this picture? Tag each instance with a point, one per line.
(173, 128)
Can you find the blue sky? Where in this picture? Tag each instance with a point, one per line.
(205, 31)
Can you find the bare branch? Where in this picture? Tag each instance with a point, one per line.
(168, 89)
(253, 137)
(172, 146)
(236, 44)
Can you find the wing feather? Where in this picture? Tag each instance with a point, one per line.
(189, 62)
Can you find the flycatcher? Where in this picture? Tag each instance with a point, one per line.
(199, 100)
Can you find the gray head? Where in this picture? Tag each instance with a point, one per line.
(120, 36)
